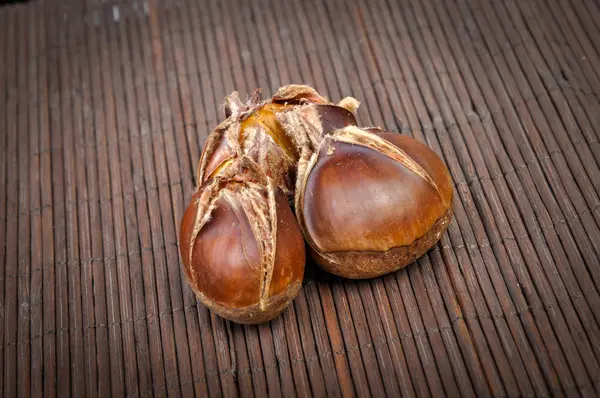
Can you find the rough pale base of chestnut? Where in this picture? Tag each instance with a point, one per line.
(371, 264)
(253, 314)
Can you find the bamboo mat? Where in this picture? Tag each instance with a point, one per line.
(105, 106)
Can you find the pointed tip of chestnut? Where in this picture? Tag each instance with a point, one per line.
(298, 94)
(349, 103)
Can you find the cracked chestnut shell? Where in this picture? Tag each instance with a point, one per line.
(242, 249)
(258, 130)
(370, 202)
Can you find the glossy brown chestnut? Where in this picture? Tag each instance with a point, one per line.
(242, 249)
(370, 202)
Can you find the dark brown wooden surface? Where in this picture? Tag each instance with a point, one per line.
(105, 106)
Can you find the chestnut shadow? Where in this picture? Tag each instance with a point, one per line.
(314, 273)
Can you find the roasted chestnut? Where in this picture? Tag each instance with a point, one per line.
(369, 202)
(241, 246)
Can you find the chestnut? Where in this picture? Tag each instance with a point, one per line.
(255, 130)
(369, 202)
(242, 249)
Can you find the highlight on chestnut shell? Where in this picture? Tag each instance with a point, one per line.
(242, 249)
(370, 202)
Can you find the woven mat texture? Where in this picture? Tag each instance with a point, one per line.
(105, 107)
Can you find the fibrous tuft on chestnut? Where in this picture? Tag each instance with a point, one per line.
(367, 202)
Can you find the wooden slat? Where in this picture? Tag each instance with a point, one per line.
(47, 265)
(26, 100)
(4, 46)
(5, 66)
(35, 203)
(62, 366)
(82, 360)
(12, 208)
(88, 209)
